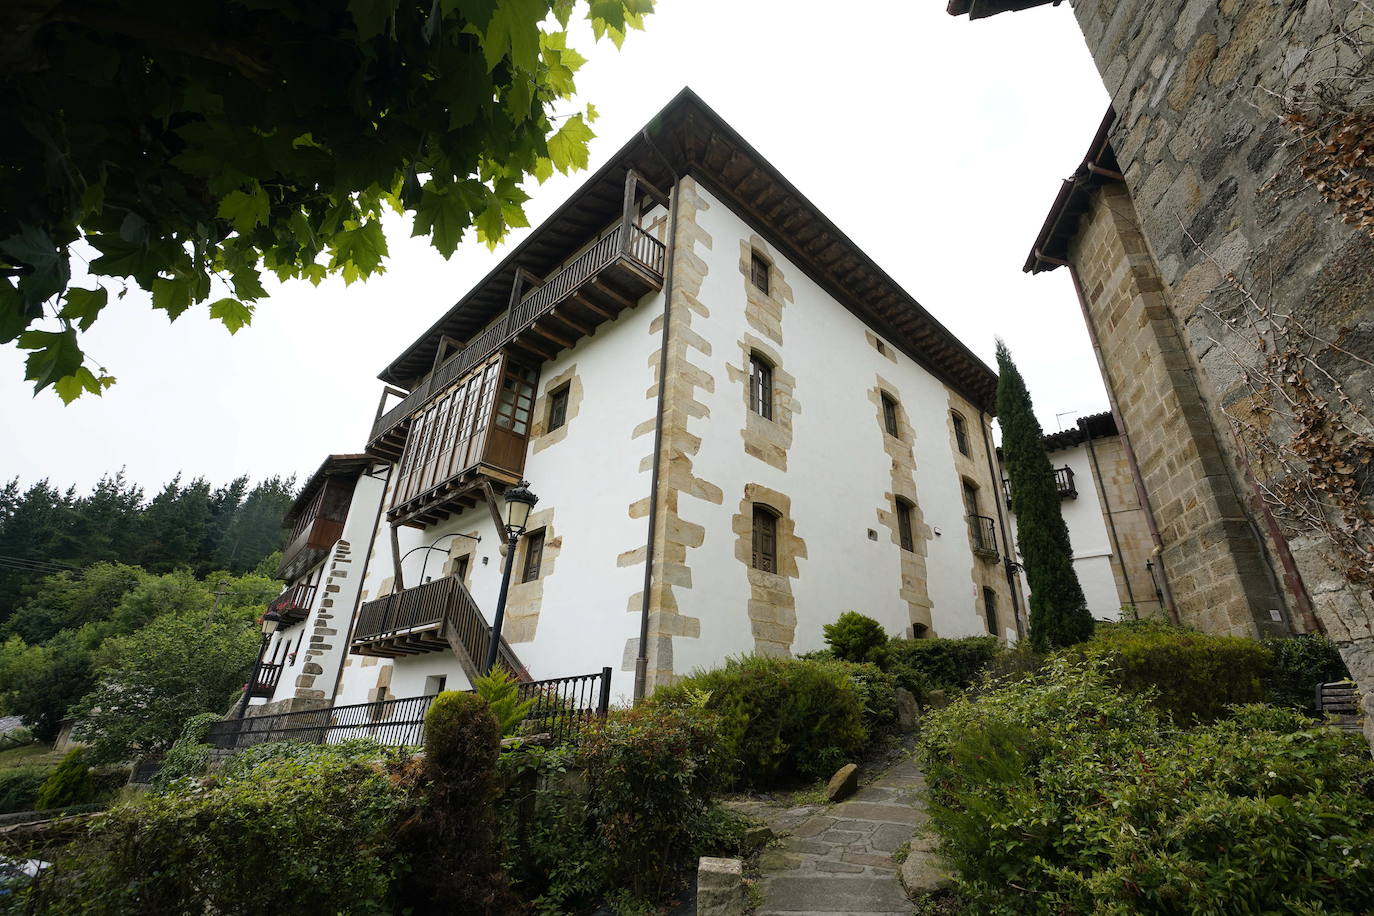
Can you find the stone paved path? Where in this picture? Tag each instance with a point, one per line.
(838, 858)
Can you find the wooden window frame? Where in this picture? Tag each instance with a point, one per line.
(764, 535)
(558, 407)
(890, 423)
(534, 556)
(905, 536)
(960, 433)
(760, 271)
(760, 386)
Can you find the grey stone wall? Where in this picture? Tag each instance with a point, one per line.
(1199, 88)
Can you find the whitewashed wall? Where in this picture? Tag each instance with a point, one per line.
(837, 469)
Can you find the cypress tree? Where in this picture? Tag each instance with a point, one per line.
(1058, 611)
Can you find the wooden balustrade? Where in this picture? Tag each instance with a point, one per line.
(425, 618)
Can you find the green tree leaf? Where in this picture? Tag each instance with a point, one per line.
(244, 211)
(568, 147)
(233, 313)
(82, 380)
(83, 305)
(172, 295)
(55, 355)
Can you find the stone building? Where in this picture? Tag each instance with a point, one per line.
(1113, 554)
(737, 424)
(1219, 233)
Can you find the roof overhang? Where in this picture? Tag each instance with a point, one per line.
(1075, 195)
(1094, 426)
(982, 9)
(688, 138)
(348, 466)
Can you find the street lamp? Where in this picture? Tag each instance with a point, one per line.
(519, 502)
(271, 622)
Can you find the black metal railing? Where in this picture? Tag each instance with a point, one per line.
(640, 246)
(562, 706)
(1063, 484)
(983, 530)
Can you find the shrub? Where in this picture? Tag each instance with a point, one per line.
(501, 692)
(945, 664)
(1195, 676)
(354, 750)
(189, 754)
(781, 720)
(19, 788)
(1064, 793)
(855, 638)
(291, 835)
(1300, 664)
(877, 691)
(453, 848)
(70, 783)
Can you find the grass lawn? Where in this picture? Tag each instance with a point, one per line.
(36, 754)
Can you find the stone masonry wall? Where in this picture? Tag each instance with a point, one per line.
(1217, 569)
(1197, 87)
(1122, 510)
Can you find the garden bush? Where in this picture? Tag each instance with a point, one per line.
(299, 834)
(19, 788)
(189, 755)
(944, 664)
(501, 692)
(1300, 664)
(877, 692)
(69, 783)
(855, 638)
(621, 816)
(1195, 676)
(1063, 793)
(453, 847)
(781, 720)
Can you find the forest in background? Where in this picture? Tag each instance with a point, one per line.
(129, 614)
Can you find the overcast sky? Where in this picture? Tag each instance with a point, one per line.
(937, 144)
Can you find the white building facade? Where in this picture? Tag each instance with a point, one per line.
(737, 425)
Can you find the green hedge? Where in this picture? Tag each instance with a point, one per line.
(943, 664)
(19, 787)
(1062, 793)
(1195, 676)
(781, 720)
(1300, 664)
(304, 833)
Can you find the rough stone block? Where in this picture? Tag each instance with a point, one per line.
(844, 783)
(720, 887)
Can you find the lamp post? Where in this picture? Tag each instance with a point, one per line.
(519, 502)
(271, 622)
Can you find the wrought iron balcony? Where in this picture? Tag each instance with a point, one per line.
(1063, 484)
(607, 278)
(983, 531)
(432, 617)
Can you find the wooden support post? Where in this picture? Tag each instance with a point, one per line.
(399, 584)
(627, 214)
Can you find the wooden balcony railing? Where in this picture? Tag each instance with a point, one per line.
(293, 604)
(1063, 484)
(269, 676)
(639, 247)
(983, 531)
(426, 618)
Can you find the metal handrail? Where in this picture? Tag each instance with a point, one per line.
(983, 530)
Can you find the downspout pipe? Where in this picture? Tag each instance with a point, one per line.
(642, 658)
(1139, 482)
(1107, 510)
(1008, 564)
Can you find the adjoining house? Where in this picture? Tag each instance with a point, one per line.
(1113, 554)
(737, 425)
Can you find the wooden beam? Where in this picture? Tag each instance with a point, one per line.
(491, 504)
(625, 303)
(399, 583)
(591, 306)
(539, 328)
(579, 329)
(523, 340)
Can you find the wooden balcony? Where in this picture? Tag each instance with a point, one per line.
(596, 286)
(293, 604)
(437, 616)
(269, 676)
(1063, 484)
(316, 525)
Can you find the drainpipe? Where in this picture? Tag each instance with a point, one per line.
(1107, 510)
(1144, 497)
(642, 659)
(362, 578)
(1009, 565)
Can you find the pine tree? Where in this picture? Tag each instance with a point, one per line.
(1058, 611)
